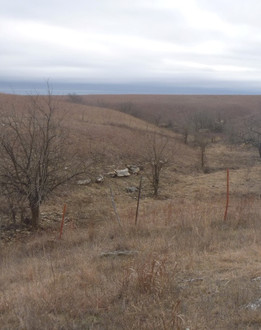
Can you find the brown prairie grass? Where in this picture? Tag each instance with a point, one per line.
(192, 270)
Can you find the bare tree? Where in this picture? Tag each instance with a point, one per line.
(185, 125)
(75, 98)
(12, 204)
(202, 140)
(157, 158)
(251, 133)
(246, 130)
(203, 120)
(191, 123)
(34, 158)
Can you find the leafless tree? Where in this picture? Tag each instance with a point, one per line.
(12, 204)
(75, 98)
(190, 123)
(246, 131)
(203, 120)
(157, 158)
(185, 125)
(34, 158)
(251, 132)
(202, 140)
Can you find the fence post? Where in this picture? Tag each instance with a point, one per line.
(138, 202)
(225, 215)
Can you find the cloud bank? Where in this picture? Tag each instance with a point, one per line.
(141, 41)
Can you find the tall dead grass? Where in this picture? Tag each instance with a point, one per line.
(192, 270)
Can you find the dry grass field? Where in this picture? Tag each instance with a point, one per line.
(181, 267)
(165, 108)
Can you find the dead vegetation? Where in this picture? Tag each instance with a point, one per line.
(183, 267)
(191, 270)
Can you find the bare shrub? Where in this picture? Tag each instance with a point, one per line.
(34, 157)
(202, 140)
(75, 98)
(157, 155)
(251, 133)
(246, 132)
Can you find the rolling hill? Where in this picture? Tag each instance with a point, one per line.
(182, 266)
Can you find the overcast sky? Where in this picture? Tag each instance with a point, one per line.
(115, 41)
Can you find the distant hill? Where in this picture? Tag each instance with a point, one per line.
(165, 108)
(108, 135)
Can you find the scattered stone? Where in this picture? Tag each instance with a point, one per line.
(255, 305)
(99, 179)
(133, 169)
(257, 278)
(112, 174)
(122, 173)
(130, 169)
(84, 182)
(119, 253)
(197, 279)
(131, 189)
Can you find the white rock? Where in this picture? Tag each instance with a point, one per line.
(122, 173)
(84, 182)
(99, 179)
(133, 169)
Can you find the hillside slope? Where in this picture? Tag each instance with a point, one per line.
(181, 266)
(171, 108)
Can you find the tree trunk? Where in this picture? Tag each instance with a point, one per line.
(155, 188)
(186, 137)
(259, 149)
(202, 156)
(13, 213)
(35, 212)
(155, 180)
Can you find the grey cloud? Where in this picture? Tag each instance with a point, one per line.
(121, 41)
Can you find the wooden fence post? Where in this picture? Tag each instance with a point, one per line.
(225, 216)
(138, 202)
